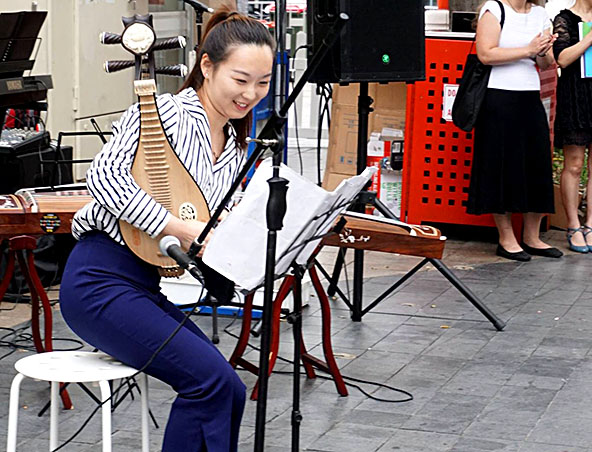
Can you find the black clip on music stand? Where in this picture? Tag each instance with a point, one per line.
(271, 136)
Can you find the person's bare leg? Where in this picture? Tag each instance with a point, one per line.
(570, 184)
(507, 239)
(532, 228)
(588, 221)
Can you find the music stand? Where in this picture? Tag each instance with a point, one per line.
(311, 213)
(18, 34)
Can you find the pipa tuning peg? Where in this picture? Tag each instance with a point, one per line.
(109, 38)
(117, 65)
(177, 70)
(177, 42)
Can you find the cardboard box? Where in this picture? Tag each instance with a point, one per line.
(343, 140)
(388, 96)
(391, 186)
(342, 154)
(332, 180)
(389, 112)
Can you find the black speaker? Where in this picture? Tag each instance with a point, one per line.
(33, 166)
(383, 40)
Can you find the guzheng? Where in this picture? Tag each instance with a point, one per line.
(38, 211)
(372, 233)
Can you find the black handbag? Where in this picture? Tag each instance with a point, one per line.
(472, 87)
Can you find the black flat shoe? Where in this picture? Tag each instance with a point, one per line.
(517, 256)
(545, 252)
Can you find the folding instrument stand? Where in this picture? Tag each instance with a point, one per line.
(291, 283)
(357, 311)
(21, 248)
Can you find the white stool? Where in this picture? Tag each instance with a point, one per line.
(73, 367)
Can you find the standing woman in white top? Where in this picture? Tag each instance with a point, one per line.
(512, 170)
(112, 299)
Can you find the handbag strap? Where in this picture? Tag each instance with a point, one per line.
(502, 20)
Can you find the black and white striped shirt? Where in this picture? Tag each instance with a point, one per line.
(116, 194)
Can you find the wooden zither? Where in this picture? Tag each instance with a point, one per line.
(156, 168)
(372, 233)
(38, 211)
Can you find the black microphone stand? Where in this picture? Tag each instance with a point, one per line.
(199, 9)
(271, 136)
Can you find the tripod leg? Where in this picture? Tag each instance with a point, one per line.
(339, 262)
(214, 305)
(383, 209)
(439, 265)
(356, 313)
(297, 330)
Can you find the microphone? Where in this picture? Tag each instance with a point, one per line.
(171, 246)
(199, 7)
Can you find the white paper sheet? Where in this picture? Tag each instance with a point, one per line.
(238, 245)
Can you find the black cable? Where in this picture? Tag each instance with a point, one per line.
(357, 380)
(299, 150)
(303, 46)
(22, 341)
(319, 133)
(324, 91)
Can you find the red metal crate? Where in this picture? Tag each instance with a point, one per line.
(438, 155)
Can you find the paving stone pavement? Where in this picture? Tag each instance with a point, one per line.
(525, 389)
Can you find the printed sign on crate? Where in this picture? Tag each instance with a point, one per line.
(447, 101)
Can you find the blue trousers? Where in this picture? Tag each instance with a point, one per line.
(112, 300)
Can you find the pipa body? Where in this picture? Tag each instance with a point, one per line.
(158, 170)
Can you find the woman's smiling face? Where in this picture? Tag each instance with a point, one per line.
(234, 86)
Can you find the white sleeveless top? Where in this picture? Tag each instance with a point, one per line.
(518, 30)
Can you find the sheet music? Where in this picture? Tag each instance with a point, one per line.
(238, 245)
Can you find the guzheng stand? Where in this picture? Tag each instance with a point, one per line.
(355, 305)
(21, 248)
(292, 283)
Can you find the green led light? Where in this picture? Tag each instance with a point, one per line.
(386, 59)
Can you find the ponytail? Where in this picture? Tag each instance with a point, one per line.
(226, 29)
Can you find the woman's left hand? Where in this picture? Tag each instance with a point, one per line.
(551, 39)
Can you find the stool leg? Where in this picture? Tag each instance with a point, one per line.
(105, 398)
(54, 413)
(145, 423)
(13, 412)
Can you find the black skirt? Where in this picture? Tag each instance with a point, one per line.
(512, 169)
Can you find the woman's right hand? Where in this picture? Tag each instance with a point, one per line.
(538, 45)
(186, 232)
